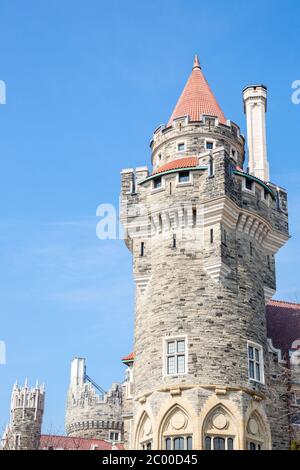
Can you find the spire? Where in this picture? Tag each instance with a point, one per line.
(197, 98)
(196, 62)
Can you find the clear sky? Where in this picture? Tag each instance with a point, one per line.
(87, 83)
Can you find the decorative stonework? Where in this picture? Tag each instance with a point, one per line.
(217, 271)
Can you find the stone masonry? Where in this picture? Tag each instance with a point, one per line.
(91, 412)
(203, 261)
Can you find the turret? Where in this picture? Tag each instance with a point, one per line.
(26, 415)
(203, 233)
(91, 411)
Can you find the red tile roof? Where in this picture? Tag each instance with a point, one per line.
(187, 162)
(129, 358)
(283, 324)
(197, 99)
(74, 443)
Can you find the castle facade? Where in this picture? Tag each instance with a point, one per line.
(216, 362)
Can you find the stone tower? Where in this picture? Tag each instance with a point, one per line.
(26, 415)
(92, 412)
(203, 234)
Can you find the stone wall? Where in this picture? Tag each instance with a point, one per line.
(210, 287)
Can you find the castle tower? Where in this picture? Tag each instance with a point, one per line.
(203, 234)
(92, 412)
(26, 415)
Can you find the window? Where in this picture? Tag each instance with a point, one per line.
(142, 249)
(277, 200)
(297, 397)
(233, 153)
(157, 183)
(218, 443)
(194, 216)
(255, 362)
(17, 441)
(180, 147)
(133, 185)
(210, 122)
(248, 184)
(254, 446)
(251, 249)
(175, 356)
(113, 436)
(174, 240)
(209, 145)
(179, 443)
(211, 235)
(159, 156)
(211, 167)
(184, 177)
(224, 237)
(147, 445)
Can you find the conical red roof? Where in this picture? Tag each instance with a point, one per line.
(197, 98)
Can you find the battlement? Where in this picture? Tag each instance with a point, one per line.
(26, 415)
(91, 411)
(186, 138)
(26, 397)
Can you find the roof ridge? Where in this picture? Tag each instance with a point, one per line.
(273, 302)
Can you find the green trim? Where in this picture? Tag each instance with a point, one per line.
(157, 175)
(257, 180)
(127, 362)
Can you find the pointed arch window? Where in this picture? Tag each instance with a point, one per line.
(177, 431)
(219, 431)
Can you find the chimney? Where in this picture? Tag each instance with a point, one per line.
(77, 372)
(255, 107)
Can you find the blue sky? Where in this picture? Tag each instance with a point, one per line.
(87, 83)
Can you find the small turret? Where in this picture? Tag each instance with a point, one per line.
(26, 415)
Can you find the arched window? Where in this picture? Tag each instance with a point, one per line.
(219, 431)
(177, 431)
(256, 433)
(145, 437)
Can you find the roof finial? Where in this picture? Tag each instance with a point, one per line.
(196, 63)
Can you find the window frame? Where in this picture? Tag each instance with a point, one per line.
(172, 438)
(210, 141)
(166, 355)
(244, 188)
(178, 143)
(226, 437)
(260, 362)
(184, 183)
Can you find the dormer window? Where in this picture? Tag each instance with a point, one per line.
(233, 153)
(157, 183)
(248, 184)
(180, 147)
(184, 177)
(210, 122)
(209, 145)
